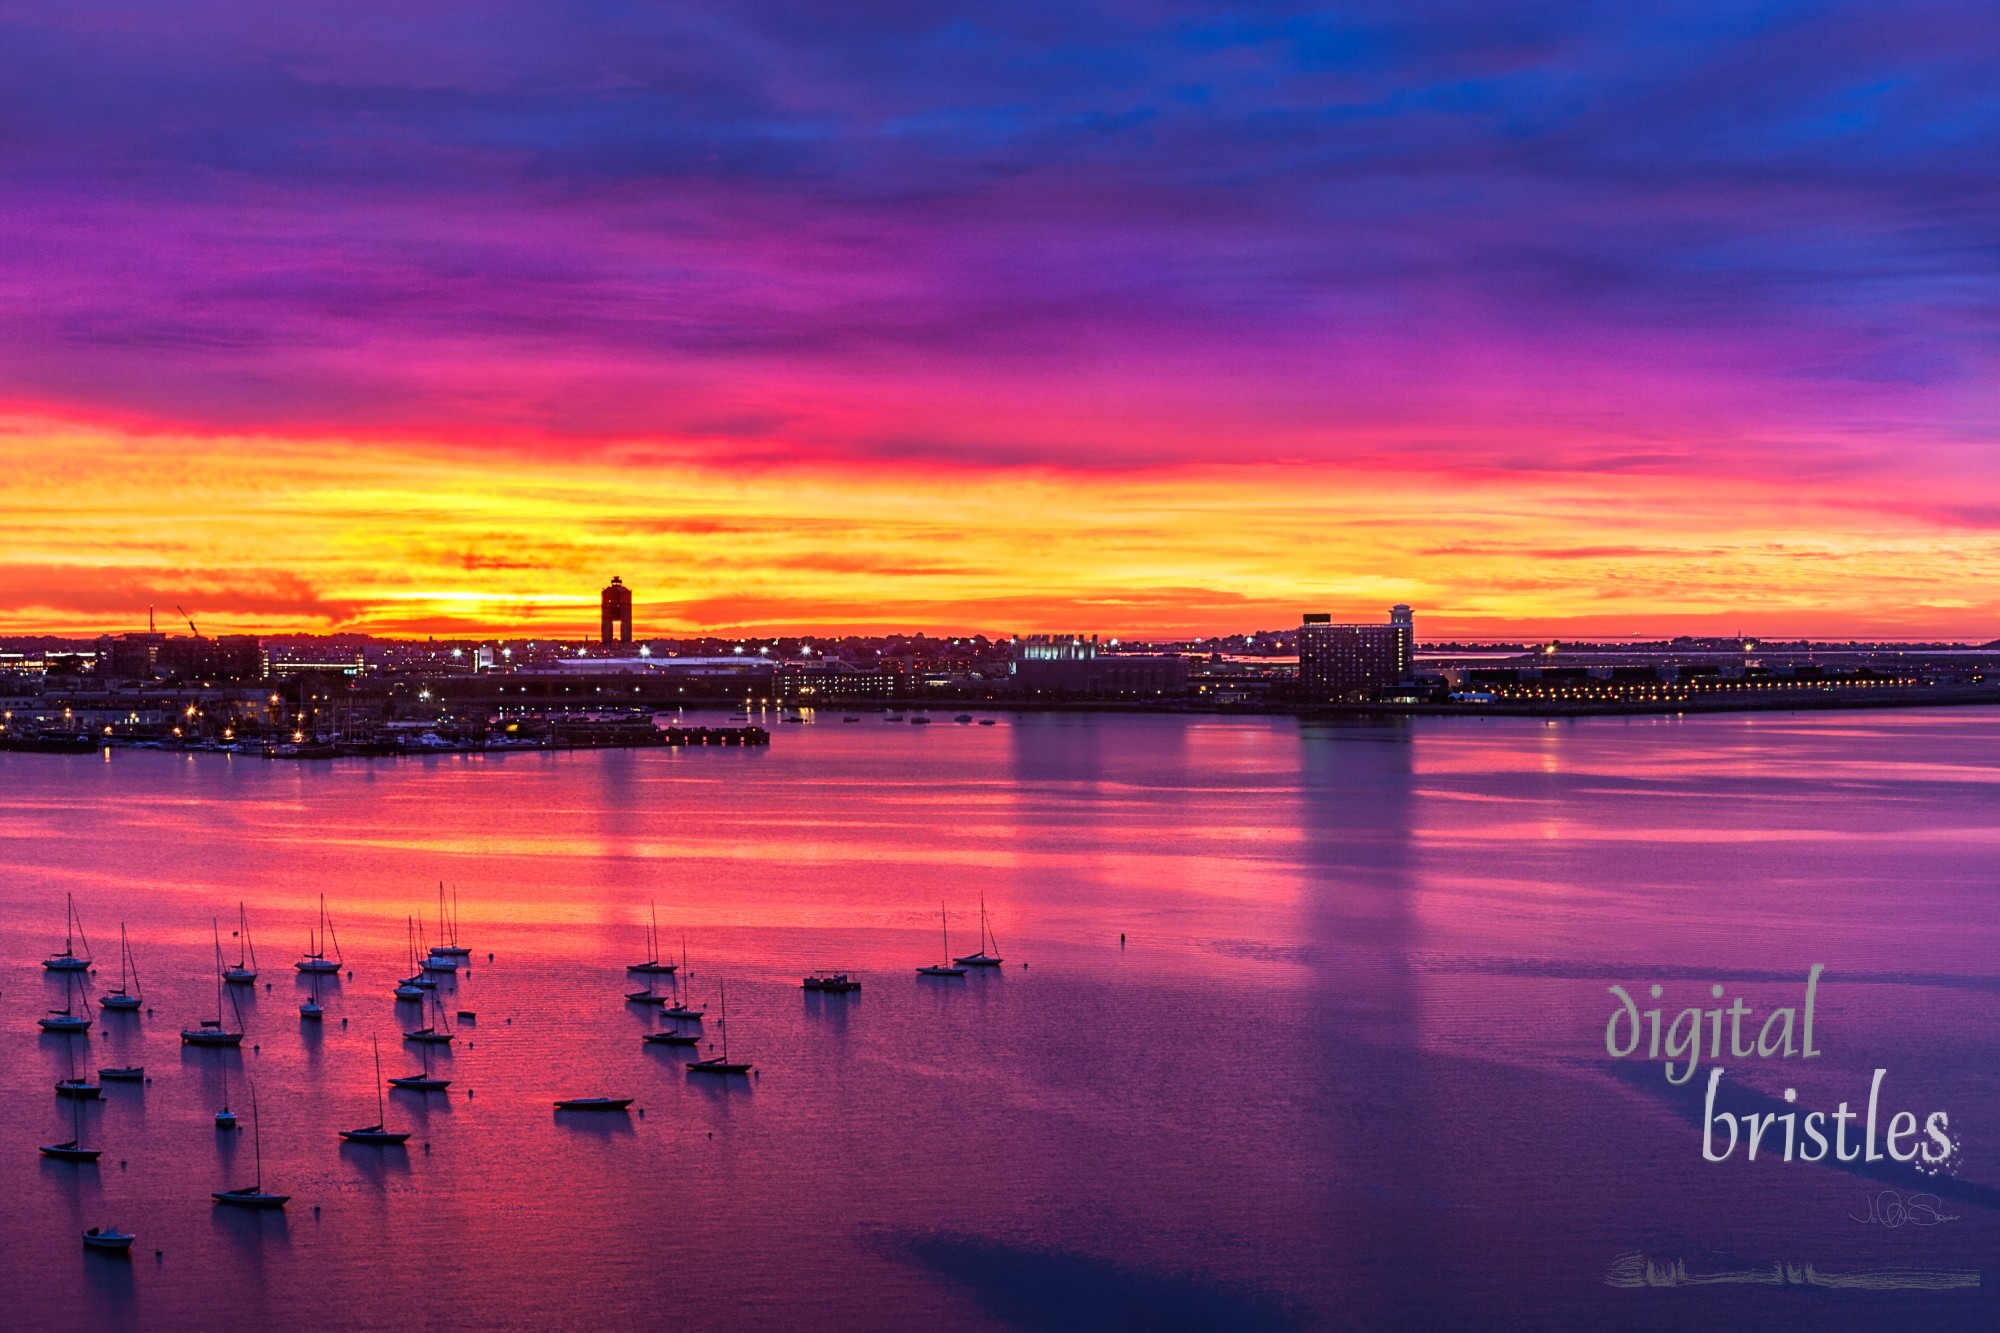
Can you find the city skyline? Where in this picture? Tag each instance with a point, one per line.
(1668, 320)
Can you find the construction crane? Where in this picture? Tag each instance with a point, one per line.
(190, 620)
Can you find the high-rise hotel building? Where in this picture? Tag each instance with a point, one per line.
(1341, 662)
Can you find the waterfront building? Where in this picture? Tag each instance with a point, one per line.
(1354, 661)
(1058, 666)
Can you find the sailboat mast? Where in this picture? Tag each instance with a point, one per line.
(257, 1134)
(723, 1022)
(381, 1110)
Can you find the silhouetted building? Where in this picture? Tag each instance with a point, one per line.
(1071, 666)
(617, 606)
(1338, 662)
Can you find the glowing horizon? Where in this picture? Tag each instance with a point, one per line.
(1137, 321)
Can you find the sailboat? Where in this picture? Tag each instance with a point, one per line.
(72, 1150)
(245, 971)
(437, 1032)
(652, 966)
(211, 1032)
(69, 960)
(315, 959)
(66, 1019)
(947, 968)
(421, 1082)
(375, 1133)
(72, 1086)
(310, 1011)
(982, 958)
(720, 1064)
(680, 1008)
(253, 1196)
(413, 986)
(123, 998)
(448, 945)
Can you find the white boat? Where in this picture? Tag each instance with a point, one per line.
(69, 960)
(210, 1031)
(245, 971)
(122, 999)
(982, 958)
(947, 968)
(253, 1196)
(375, 1134)
(317, 938)
(108, 1238)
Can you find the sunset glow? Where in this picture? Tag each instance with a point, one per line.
(992, 322)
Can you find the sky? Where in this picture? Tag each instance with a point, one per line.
(1105, 317)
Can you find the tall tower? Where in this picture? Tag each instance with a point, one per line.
(617, 605)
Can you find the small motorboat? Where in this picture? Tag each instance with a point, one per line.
(225, 1119)
(963, 718)
(593, 1103)
(81, 1088)
(833, 983)
(122, 1074)
(108, 1238)
(920, 721)
(985, 721)
(671, 1038)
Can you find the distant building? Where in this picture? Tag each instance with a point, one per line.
(1341, 662)
(1057, 666)
(829, 680)
(616, 602)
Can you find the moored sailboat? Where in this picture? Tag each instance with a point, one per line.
(69, 960)
(982, 958)
(253, 1196)
(210, 1031)
(317, 938)
(947, 968)
(123, 1000)
(720, 1064)
(376, 1134)
(244, 973)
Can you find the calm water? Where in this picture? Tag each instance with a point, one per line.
(1347, 1069)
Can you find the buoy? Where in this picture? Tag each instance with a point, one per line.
(343, 1022)
(1121, 939)
(315, 1210)
(468, 1092)
(642, 1113)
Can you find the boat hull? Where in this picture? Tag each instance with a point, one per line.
(977, 960)
(240, 977)
(652, 969)
(420, 1084)
(940, 971)
(594, 1104)
(432, 1038)
(115, 1242)
(78, 1089)
(672, 1039)
(119, 1003)
(376, 1136)
(250, 1198)
(69, 1152)
(66, 963)
(128, 1074)
(192, 1038)
(717, 1067)
(63, 1024)
(317, 965)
